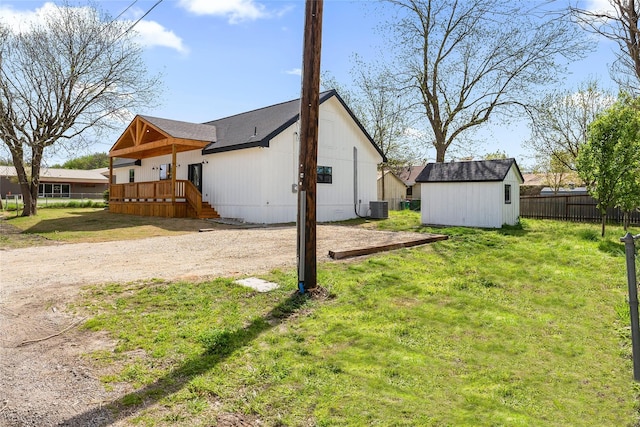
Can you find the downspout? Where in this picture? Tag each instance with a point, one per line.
(356, 201)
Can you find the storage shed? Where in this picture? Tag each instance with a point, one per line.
(481, 193)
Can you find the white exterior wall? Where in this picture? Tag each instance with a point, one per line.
(338, 135)
(511, 211)
(255, 185)
(469, 204)
(146, 172)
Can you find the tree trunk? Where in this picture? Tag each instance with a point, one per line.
(441, 149)
(604, 222)
(626, 219)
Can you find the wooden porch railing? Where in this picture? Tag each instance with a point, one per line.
(157, 192)
(193, 196)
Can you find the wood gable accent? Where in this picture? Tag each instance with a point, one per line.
(142, 140)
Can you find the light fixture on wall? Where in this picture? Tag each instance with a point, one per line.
(205, 161)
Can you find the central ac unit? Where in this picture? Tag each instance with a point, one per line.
(379, 209)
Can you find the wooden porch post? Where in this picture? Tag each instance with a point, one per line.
(173, 176)
(110, 176)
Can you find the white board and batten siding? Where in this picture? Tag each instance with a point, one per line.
(511, 211)
(256, 184)
(472, 203)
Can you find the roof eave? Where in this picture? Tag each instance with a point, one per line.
(252, 144)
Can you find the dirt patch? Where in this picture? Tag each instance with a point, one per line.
(44, 379)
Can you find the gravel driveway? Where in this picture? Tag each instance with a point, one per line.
(47, 382)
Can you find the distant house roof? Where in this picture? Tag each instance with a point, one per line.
(392, 175)
(534, 179)
(473, 171)
(62, 175)
(409, 174)
(184, 130)
(548, 191)
(256, 128)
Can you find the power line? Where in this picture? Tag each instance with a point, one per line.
(125, 11)
(139, 19)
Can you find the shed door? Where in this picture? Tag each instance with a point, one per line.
(195, 175)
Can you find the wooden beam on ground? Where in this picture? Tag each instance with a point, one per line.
(383, 248)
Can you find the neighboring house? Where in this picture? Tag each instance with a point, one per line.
(408, 175)
(243, 166)
(395, 189)
(67, 183)
(535, 183)
(474, 194)
(564, 191)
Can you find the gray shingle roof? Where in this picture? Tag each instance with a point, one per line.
(184, 130)
(480, 170)
(256, 128)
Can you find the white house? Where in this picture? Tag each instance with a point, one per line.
(473, 194)
(244, 166)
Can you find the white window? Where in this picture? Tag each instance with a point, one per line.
(507, 194)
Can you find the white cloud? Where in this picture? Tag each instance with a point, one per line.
(599, 6)
(150, 33)
(21, 20)
(235, 10)
(295, 71)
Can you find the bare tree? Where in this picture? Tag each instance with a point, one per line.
(469, 60)
(76, 72)
(620, 24)
(383, 111)
(559, 122)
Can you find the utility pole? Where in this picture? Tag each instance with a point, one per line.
(308, 160)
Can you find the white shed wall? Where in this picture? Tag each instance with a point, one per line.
(511, 211)
(470, 204)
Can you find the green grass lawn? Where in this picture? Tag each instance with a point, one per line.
(491, 327)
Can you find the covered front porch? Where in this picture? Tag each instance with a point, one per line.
(149, 137)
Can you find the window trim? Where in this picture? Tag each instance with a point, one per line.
(324, 174)
(507, 194)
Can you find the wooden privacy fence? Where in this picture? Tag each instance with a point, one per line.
(580, 208)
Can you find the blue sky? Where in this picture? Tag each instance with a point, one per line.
(222, 57)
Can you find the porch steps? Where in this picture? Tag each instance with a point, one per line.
(208, 212)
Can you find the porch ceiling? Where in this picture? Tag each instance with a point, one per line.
(143, 140)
